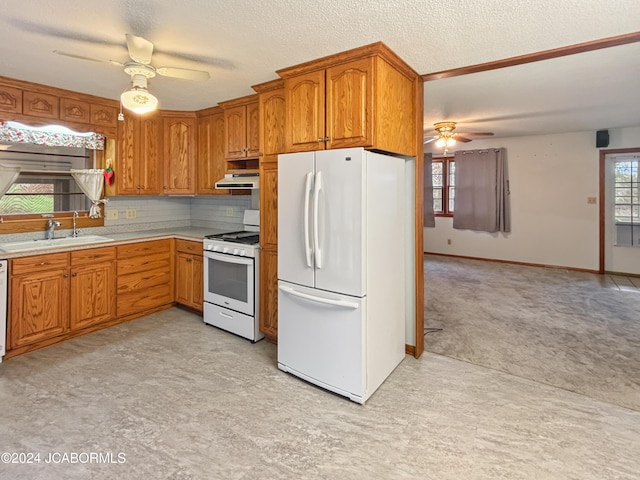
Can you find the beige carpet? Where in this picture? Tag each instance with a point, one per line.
(573, 330)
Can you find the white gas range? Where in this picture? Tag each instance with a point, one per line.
(231, 279)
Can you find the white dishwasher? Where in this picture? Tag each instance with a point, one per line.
(3, 308)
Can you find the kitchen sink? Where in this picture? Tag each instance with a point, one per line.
(53, 243)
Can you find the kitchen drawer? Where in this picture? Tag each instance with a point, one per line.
(144, 263)
(92, 256)
(142, 280)
(144, 248)
(38, 263)
(140, 301)
(188, 246)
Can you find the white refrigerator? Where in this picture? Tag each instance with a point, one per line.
(341, 300)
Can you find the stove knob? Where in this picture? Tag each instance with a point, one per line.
(225, 250)
(235, 251)
(243, 252)
(216, 248)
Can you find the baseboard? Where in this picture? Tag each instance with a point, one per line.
(512, 262)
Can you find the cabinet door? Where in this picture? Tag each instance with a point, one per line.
(272, 120)
(269, 294)
(269, 205)
(75, 110)
(40, 105)
(179, 155)
(211, 165)
(253, 130)
(198, 282)
(93, 294)
(304, 103)
(235, 127)
(39, 307)
(184, 278)
(149, 160)
(349, 105)
(10, 99)
(127, 161)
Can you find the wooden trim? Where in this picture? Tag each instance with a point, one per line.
(39, 223)
(373, 49)
(410, 349)
(269, 86)
(537, 56)
(209, 111)
(511, 262)
(601, 193)
(236, 102)
(419, 219)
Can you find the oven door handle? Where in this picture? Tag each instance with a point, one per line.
(228, 258)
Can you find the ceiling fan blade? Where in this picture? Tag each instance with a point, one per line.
(91, 59)
(477, 134)
(429, 140)
(458, 138)
(183, 73)
(140, 49)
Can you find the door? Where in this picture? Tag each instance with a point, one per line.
(179, 155)
(320, 338)
(338, 199)
(622, 212)
(295, 183)
(92, 294)
(304, 104)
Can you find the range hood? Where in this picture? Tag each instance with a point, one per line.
(239, 181)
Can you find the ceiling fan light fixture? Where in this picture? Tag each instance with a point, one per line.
(441, 142)
(137, 98)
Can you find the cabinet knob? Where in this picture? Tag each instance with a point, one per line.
(320, 140)
(74, 274)
(327, 139)
(260, 154)
(66, 275)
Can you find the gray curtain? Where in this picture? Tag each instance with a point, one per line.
(482, 191)
(429, 218)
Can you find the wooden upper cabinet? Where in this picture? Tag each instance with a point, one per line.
(103, 115)
(271, 122)
(211, 165)
(349, 105)
(75, 110)
(10, 99)
(137, 163)
(40, 104)
(330, 108)
(365, 97)
(179, 155)
(304, 103)
(242, 131)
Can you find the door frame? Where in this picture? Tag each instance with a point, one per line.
(601, 193)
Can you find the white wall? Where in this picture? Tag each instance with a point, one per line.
(551, 177)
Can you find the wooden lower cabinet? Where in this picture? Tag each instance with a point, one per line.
(144, 277)
(39, 306)
(269, 293)
(189, 274)
(58, 295)
(93, 287)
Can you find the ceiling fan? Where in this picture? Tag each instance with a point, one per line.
(137, 98)
(446, 136)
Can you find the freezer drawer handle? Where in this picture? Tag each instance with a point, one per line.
(328, 301)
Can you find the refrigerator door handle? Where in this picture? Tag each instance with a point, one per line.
(317, 188)
(307, 236)
(313, 298)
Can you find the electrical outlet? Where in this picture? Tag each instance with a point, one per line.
(130, 213)
(229, 211)
(592, 200)
(448, 241)
(112, 214)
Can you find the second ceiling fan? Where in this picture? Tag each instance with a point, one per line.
(447, 137)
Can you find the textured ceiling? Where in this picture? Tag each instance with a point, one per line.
(243, 42)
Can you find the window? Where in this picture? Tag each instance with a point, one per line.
(45, 184)
(626, 201)
(443, 172)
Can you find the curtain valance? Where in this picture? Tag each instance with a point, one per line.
(51, 136)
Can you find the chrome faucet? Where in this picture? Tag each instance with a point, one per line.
(75, 230)
(51, 226)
